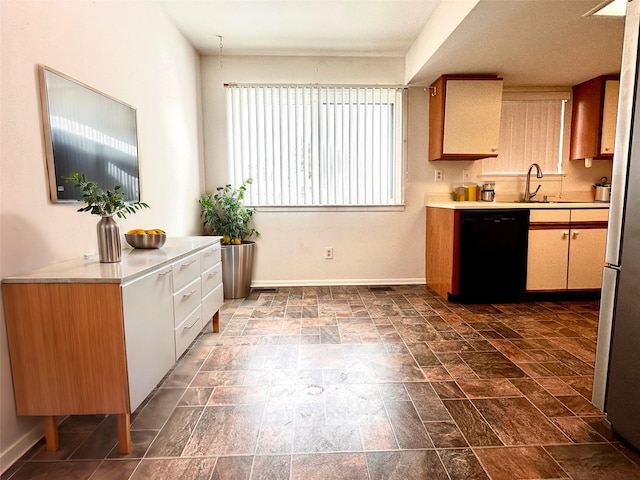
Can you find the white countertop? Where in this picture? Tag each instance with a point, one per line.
(135, 262)
(504, 205)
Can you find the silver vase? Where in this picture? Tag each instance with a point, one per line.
(109, 248)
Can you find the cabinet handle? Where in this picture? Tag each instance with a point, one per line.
(565, 234)
(189, 263)
(214, 274)
(575, 234)
(166, 272)
(187, 295)
(191, 326)
(494, 149)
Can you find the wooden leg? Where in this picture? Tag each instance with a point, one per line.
(124, 433)
(216, 322)
(51, 433)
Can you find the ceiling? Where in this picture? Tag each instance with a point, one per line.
(525, 41)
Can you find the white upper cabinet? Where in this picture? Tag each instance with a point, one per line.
(464, 117)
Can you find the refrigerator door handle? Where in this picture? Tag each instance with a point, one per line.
(605, 324)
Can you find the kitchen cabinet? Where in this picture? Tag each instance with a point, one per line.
(92, 338)
(566, 249)
(464, 117)
(593, 118)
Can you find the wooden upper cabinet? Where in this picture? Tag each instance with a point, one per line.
(464, 117)
(593, 118)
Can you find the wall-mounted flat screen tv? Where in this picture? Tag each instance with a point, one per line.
(86, 131)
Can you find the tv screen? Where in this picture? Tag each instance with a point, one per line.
(87, 132)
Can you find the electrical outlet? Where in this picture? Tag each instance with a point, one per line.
(438, 176)
(328, 253)
(466, 174)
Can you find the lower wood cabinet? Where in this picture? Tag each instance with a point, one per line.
(89, 338)
(566, 249)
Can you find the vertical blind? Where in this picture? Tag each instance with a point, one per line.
(531, 131)
(317, 145)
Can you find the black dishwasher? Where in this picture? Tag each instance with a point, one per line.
(493, 255)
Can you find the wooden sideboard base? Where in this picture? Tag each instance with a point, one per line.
(51, 433)
(215, 321)
(124, 433)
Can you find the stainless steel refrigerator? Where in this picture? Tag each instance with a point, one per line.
(616, 387)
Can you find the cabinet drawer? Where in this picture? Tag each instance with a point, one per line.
(590, 215)
(185, 271)
(187, 331)
(211, 279)
(186, 300)
(212, 303)
(549, 216)
(209, 257)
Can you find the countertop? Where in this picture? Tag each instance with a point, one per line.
(135, 263)
(505, 205)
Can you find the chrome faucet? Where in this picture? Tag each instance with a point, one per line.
(527, 189)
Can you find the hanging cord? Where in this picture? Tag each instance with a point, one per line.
(220, 37)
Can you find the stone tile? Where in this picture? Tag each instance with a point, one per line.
(226, 430)
(158, 410)
(408, 426)
(488, 388)
(174, 435)
(445, 435)
(115, 470)
(517, 422)
(187, 468)
(462, 464)
(519, 463)
(76, 470)
(352, 466)
(407, 465)
(594, 462)
(475, 429)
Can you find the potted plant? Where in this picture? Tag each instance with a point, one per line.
(225, 214)
(106, 205)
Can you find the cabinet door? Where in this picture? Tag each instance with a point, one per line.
(586, 258)
(547, 259)
(472, 117)
(148, 325)
(609, 113)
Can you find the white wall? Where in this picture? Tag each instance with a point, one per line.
(130, 51)
(369, 246)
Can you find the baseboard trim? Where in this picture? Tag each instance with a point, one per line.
(12, 454)
(337, 282)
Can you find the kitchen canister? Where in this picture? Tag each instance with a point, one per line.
(602, 190)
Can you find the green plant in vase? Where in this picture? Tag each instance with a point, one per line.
(106, 204)
(225, 214)
(99, 202)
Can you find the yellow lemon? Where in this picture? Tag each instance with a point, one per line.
(226, 240)
(237, 241)
(136, 231)
(150, 232)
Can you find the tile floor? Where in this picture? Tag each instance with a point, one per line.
(364, 383)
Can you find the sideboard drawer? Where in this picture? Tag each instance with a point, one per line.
(187, 331)
(211, 278)
(186, 300)
(212, 302)
(185, 270)
(210, 256)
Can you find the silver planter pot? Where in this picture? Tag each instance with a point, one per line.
(237, 269)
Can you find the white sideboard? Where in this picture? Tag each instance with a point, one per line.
(87, 337)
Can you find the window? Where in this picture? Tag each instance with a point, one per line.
(317, 145)
(531, 131)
